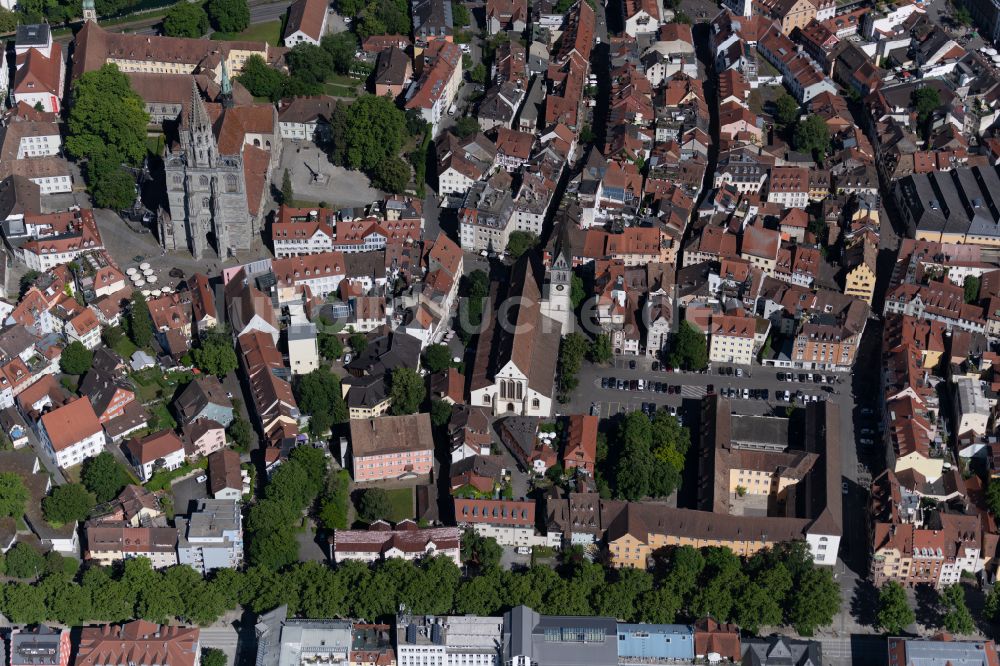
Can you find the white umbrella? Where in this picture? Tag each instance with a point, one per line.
(147, 272)
(131, 270)
(151, 279)
(990, 51)
(156, 293)
(144, 265)
(166, 289)
(140, 283)
(145, 293)
(996, 58)
(136, 277)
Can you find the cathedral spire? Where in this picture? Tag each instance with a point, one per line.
(197, 116)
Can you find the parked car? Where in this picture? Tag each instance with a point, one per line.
(201, 478)
(739, 372)
(656, 366)
(631, 365)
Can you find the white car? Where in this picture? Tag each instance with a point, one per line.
(465, 48)
(347, 20)
(201, 478)
(523, 550)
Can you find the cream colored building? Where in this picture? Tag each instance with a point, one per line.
(731, 340)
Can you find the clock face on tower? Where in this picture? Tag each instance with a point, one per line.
(559, 287)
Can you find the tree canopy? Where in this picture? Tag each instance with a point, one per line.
(75, 359)
(107, 118)
(229, 15)
(894, 612)
(520, 242)
(216, 357)
(600, 349)
(786, 110)
(68, 503)
(651, 455)
(185, 19)
(955, 615)
(812, 136)
(406, 390)
(261, 80)
(374, 505)
(319, 392)
(689, 349)
(104, 476)
(13, 495)
(140, 324)
(437, 358)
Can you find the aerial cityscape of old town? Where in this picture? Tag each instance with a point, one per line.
(500, 332)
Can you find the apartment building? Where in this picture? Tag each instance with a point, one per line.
(112, 645)
(162, 450)
(467, 640)
(212, 536)
(510, 522)
(731, 340)
(108, 542)
(71, 433)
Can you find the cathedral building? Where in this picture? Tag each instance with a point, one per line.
(515, 365)
(217, 174)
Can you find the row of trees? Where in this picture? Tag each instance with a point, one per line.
(193, 19)
(772, 588)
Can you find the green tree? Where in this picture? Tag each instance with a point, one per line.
(310, 62)
(262, 80)
(26, 282)
(140, 324)
(571, 352)
(69, 503)
(816, 601)
(8, 21)
(812, 136)
(437, 358)
(330, 346)
(76, 359)
(478, 73)
(955, 615)
(440, 413)
(341, 46)
(374, 505)
(241, 433)
(991, 607)
(23, 561)
(358, 343)
(406, 390)
(319, 391)
(520, 242)
(971, 287)
(216, 358)
(213, 657)
(894, 612)
(104, 476)
(374, 132)
(13, 495)
(287, 195)
(109, 184)
(600, 349)
(786, 110)
(459, 15)
(962, 16)
(925, 101)
(689, 349)
(465, 127)
(482, 551)
(392, 174)
(107, 118)
(333, 504)
(24, 604)
(229, 15)
(185, 19)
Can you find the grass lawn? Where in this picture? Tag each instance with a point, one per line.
(125, 348)
(163, 417)
(339, 90)
(269, 32)
(401, 500)
(162, 480)
(72, 474)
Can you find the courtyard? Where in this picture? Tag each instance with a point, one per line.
(315, 179)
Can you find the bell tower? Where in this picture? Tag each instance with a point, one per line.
(89, 11)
